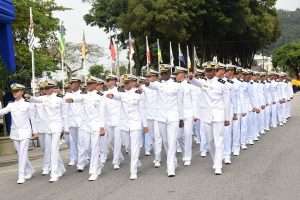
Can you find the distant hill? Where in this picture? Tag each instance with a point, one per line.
(290, 28)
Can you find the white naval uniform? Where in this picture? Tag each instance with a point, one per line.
(132, 122)
(268, 98)
(170, 98)
(185, 135)
(217, 98)
(92, 121)
(74, 114)
(53, 106)
(274, 106)
(228, 129)
(246, 109)
(39, 125)
(152, 138)
(253, 117)
(237, 110)
(112, 120)
(21, 132)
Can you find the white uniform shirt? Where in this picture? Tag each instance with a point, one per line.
(170, 100)
(93, 112)
(21, 114)
(151, 103)
(112, 108)
(189, 109)
(217, 97)
(75, 109)
(132, 110)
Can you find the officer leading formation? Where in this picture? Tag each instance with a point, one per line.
(222, 108)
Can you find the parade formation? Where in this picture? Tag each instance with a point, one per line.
(221, 108)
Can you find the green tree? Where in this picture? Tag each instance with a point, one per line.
(287, 58)
(224, 28)
(99, 71)
(45, 26)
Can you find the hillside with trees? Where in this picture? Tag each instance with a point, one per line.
(290, 29)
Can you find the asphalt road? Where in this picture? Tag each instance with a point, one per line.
(269, 170)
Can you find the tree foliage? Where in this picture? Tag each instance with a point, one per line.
(224, 28)
(287, 57)
(45, 26)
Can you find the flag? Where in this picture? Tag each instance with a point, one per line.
(61, 38)
(159, 56)
(130, 48)
(171, 55)
(148, 54)
(180, 56)
(113, 49)
(189, 63)
(83, 48)
(30, 35)
(196, 59)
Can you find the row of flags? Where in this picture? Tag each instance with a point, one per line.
(114, 49)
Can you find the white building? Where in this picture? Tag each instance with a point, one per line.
(263, 63)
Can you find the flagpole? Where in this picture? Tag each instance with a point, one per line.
(147, 46)
(179, 55)
(63, 73)
(33, 73)
(33, 86)
(129, 53)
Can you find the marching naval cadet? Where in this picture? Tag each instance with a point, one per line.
(74, 120)
(112, 115)
(92, 127)
(201, 114)
(217, 97)
(185, 134)
(152, 138)
(237, 113)
(246, 108)
(170, 114)
(132, 119)
(103, 139)
(230, 69)
(40, 124)
(54, 111)
(275, 100)
(21, 131)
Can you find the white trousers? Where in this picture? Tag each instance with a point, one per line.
(57, 167)
(196, 128)
(125, 139)
(262, 120)
(115, 140)
(244, 129)
(104, 148)
(149, 137)
(203, 139)
(267, 116)
(135, 147)
(215, 138)
(185, 138)
(157, 142)
(274, 121)
(24, 166)
(46, 156)
(73, 143)
(251, 127)
(84, 148)
(95, 162)
(228, 141)
(236, 135)
(169, 131)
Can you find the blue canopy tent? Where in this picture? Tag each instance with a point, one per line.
(7, 16)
